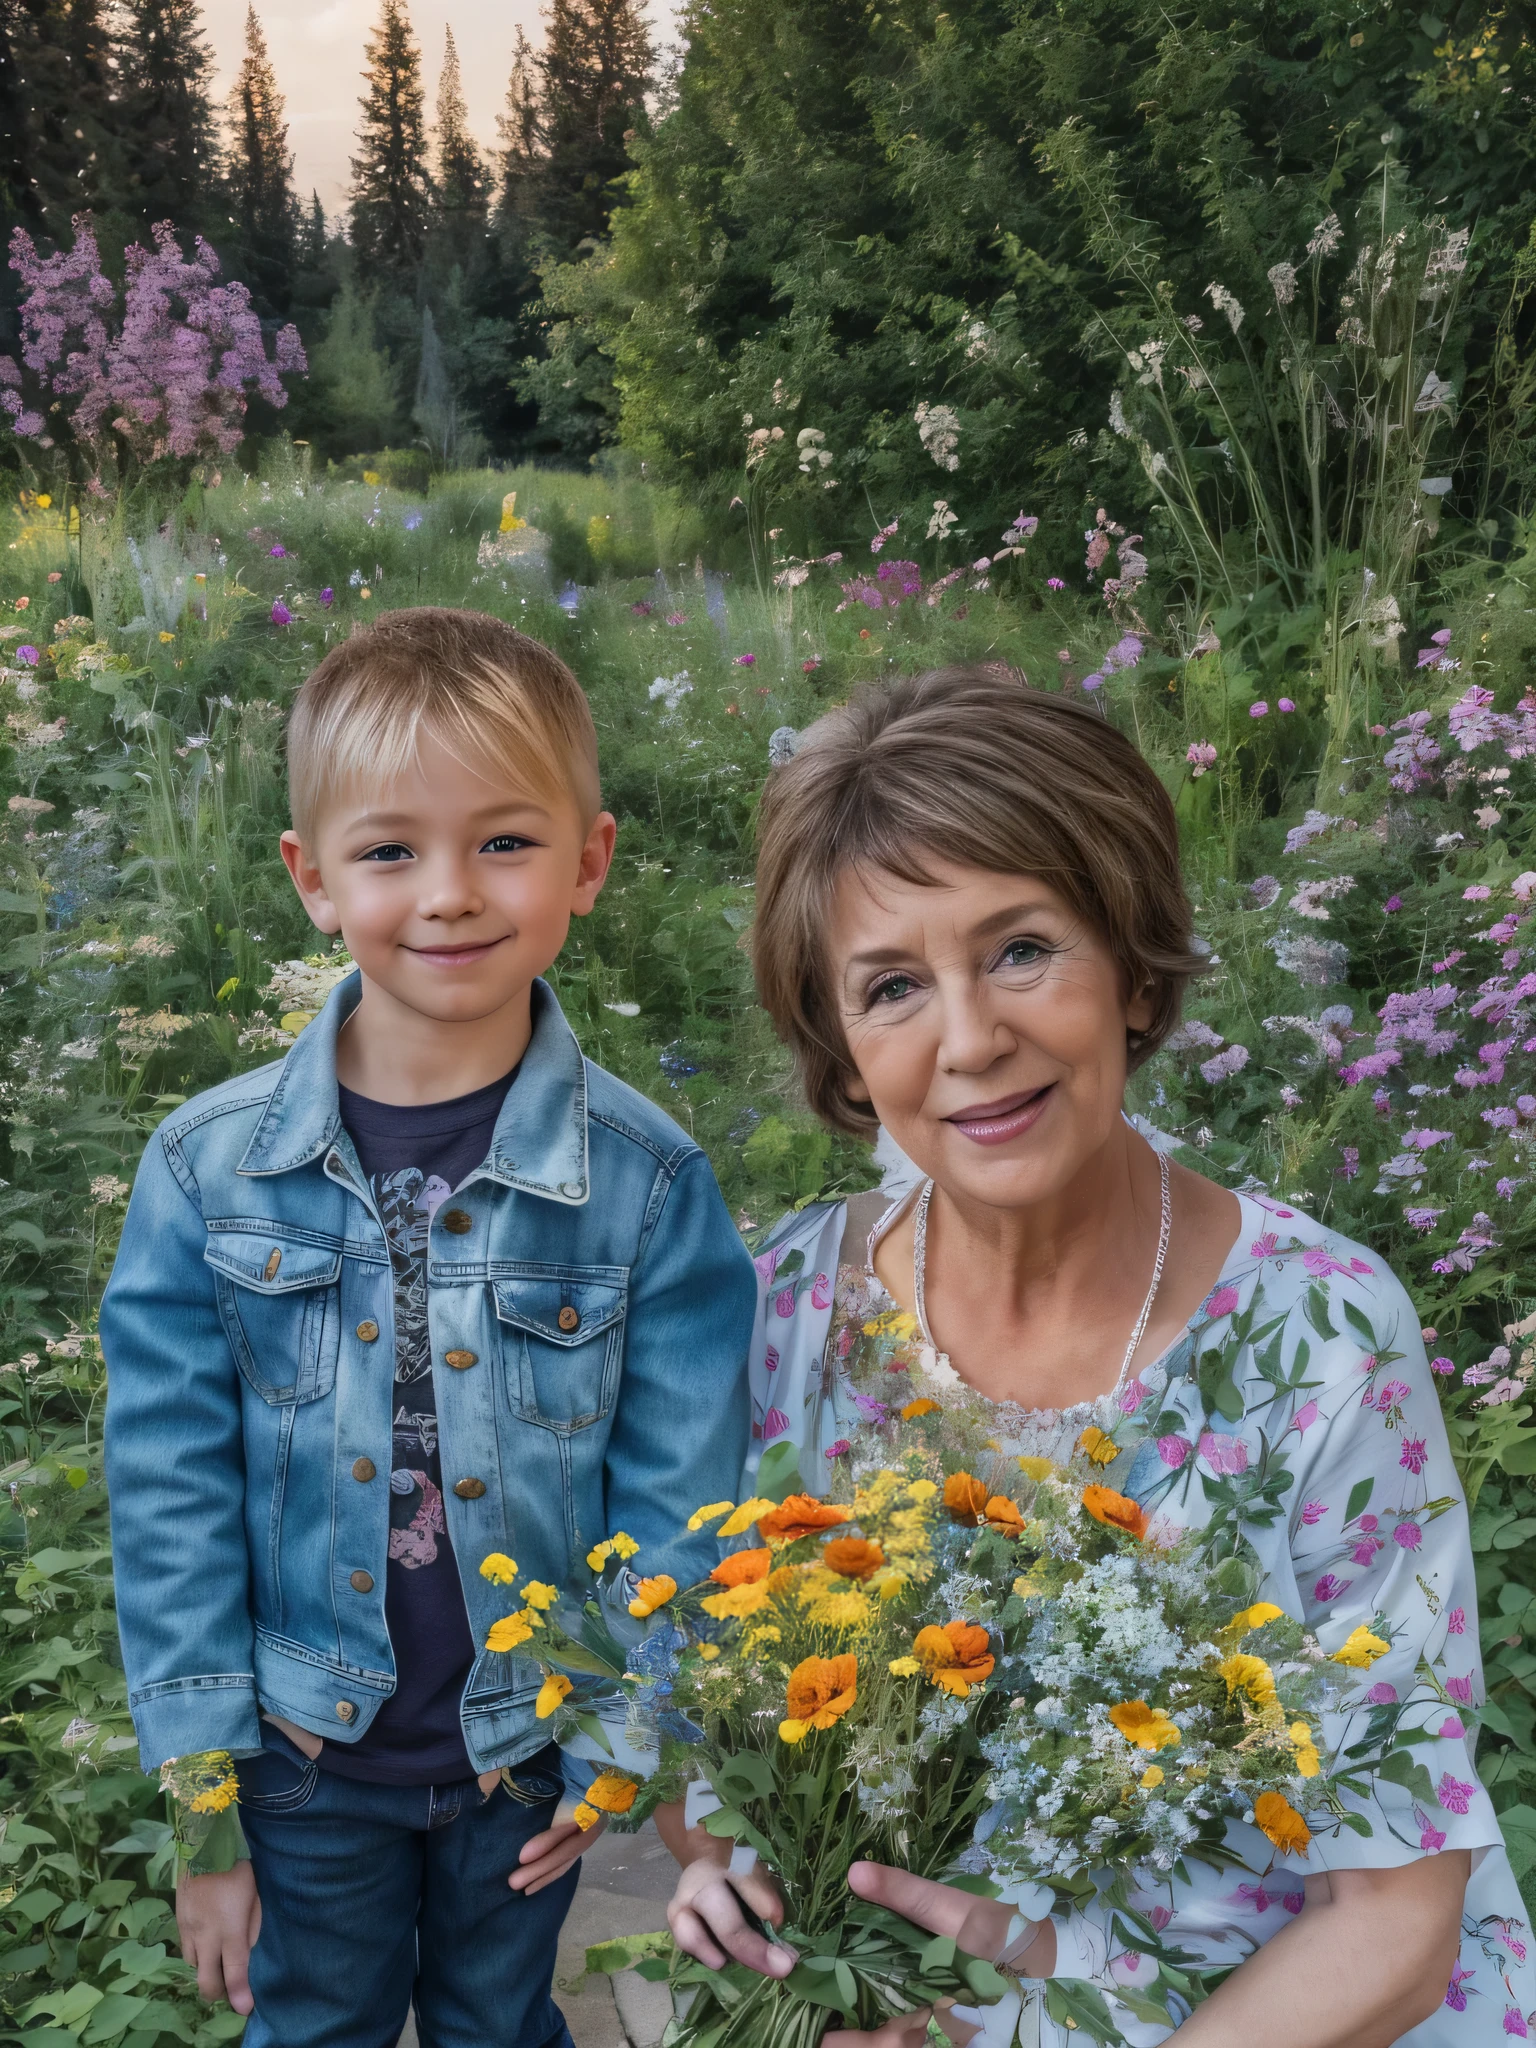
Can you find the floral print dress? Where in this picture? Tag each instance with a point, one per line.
(1298, 1416)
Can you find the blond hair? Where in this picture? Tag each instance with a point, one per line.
(493, 698)
(966, 765)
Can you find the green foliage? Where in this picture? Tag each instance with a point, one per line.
(352, 398)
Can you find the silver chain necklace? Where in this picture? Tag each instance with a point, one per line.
(920, 1269)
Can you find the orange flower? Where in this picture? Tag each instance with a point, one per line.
(743, 1568)
(1004, 1516)
(1113, 1509)
(1145, 1727)
(610, 1793)
(851, 1557)
(799, 1516)
(1275, 1816)
(922, 1406)
(820, 1692)
(955, 1656)
(966, 1498)
(651, 1594)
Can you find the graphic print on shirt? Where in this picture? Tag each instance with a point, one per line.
(406, 1203)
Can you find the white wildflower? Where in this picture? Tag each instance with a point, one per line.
(938, 428)
(1282, 279)
(1326, 237)
(1224, 302)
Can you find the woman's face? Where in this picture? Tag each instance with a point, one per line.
(988, 1026)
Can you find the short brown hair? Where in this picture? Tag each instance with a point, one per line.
(486, 692)
(962, 764)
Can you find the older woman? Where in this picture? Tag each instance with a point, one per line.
(971, 927)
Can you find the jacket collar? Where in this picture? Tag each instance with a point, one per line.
(540, 1140)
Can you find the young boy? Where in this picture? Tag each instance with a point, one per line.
(429, 1288)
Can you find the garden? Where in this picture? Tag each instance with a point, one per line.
(1283, 536)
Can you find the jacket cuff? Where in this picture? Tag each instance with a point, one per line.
(186, 1716)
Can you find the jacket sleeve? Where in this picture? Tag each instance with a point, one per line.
(680, 1426)
(176, 1478)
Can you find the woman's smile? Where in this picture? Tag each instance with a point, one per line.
(995, 1123)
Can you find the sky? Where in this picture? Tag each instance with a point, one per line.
(317, 53)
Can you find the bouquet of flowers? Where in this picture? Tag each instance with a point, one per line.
(1002, 1680)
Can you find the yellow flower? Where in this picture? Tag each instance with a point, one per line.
(624, 1546)
(1250, 1675)
(1275, 1817)
(1036, 1468)
(1151, 1778)
(894, 1323)
(166, 639)
(921, 1490)
(598, 1556)
(537, 1594)
(841, 1610)
(742, 1520)
(612, 1794)
(1361, 1650)
(370, 476)
(500, 1569)
(651, 1594)
(737, 1602)
(586, 1816)
(794, 1731)
(755, 1636)
(919, 1407)
(709, 1652)
(44, 500)
(889, 1583)
(217, 1797)
(712, 1513)
(1145, 1727)
(1027, 1587)
(510, 1632)
(554, 1689)
(956, 1656)
(904, 1667)
(365, 591)
(1308, 1763)
(1099, 1448)
(1256, 1616)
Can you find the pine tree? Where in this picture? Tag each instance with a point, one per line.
(594, 72)
(171, 156)
(312, 243)
(521, 153)
(261, 174)
(67, 140)
(462, 199)
(391, 186)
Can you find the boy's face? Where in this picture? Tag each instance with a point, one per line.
(452, 892)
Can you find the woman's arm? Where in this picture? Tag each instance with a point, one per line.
(1367, 1958)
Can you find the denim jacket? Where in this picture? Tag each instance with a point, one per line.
(590, 1306)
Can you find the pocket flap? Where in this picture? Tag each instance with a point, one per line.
(270, 1262)
(560, 1311)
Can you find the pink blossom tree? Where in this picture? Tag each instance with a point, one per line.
(161, 370)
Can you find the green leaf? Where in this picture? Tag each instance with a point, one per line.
(1359, 1495)
(1317, 1311)
(1360, 1324)
(778, 1472)
(812, 1987)
(1518, 1826)
(68, 2007)
(938, 1955)
(627, 1952)
(1398, 1768)
(987, 1983)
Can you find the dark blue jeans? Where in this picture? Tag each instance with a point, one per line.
(377, 1896)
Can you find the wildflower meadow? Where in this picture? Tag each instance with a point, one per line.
(1239, 455)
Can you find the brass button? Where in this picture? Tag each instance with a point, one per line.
(362, 1582)
(459, 1359)
(368, 1330)
(569, 1318)
(470, 1489)
(459, 1221)
(345, 1710)
(365, 1469)
(274, 1260)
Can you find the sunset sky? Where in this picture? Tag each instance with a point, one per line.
(317, 52)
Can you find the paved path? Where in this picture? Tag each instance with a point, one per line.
(626, 1881)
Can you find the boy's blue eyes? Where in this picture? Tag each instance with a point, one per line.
(504, 842)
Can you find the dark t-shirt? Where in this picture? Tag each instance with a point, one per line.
(414, 1158)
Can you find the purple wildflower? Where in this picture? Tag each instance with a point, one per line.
(281, 616)
(27, 655)
(1054, 583)
(1392, 904)
(1286, 704)
(328, 597)
(744, 661)
(1259, 709)
(278, 552)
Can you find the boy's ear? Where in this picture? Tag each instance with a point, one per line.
(592, 870)
(323, 913)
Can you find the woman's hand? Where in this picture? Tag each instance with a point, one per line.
(218, 1917)
(705, 1913)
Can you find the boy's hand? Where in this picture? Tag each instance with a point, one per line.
(219, 1920)
(551, 1854)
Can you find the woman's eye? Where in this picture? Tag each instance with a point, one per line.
(1024, 953)
(895, 990)
(390, 853)
(506, 842)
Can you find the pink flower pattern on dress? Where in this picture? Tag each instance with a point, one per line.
(1225, 1455)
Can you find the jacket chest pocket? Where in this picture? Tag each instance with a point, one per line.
(562, 1341)
(280, 1302)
